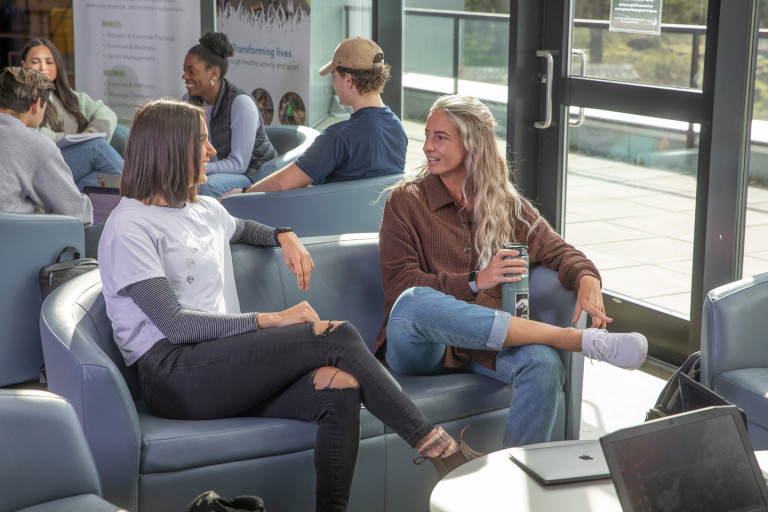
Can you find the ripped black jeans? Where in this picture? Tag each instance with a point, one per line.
(269, 373)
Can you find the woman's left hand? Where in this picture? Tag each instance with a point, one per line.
(590, 299)
(297, 258)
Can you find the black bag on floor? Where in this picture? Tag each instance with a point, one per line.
(209, 501)
(683, 392)
(63, 269)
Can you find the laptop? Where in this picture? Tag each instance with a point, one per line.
(701, 460)
(104, 200)
(559, 463)
(109, 180)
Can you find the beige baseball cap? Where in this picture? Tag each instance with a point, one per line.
(355, 53)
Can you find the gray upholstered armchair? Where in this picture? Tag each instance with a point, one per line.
(45, 464)
(734, 350)
(28, 241)
(290, 142)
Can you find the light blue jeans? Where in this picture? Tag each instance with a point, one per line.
(219, 184)
(424, 321)
(89, 158)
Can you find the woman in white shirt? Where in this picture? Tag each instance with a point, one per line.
(169, 288)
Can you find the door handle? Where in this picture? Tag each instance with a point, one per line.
(584, 59)
(547, 81)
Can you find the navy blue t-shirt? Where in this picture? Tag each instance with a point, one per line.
(370, 143)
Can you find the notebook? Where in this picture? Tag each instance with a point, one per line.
(557, 463)
(701, 460)
(104, 200)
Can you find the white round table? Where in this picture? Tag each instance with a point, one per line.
(495, 483)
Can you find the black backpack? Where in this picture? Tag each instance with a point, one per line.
(684, 392)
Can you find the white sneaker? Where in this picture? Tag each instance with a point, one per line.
(625, 350)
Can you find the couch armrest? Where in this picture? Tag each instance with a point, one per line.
(552, 303)
(80, 371)
(733, 328)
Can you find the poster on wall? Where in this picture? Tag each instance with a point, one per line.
(639, 16)
(131, 51)
(271, 60)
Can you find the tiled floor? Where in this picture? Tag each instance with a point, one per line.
(614, 398)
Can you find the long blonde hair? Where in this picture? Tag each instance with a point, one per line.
(496, 203)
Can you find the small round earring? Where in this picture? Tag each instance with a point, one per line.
(212, 82)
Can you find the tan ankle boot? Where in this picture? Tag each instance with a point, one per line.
(445, 465)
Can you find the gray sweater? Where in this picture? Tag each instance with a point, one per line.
(33, 173)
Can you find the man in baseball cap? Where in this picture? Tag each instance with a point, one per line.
(371, 143)
(355, 53)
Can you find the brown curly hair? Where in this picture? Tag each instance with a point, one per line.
(368, 81)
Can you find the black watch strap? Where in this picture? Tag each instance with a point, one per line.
(473, 281)
(281, 230)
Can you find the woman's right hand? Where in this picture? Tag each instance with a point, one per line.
(301, 313)
(495, 272)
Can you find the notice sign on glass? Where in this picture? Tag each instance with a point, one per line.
(642, 16)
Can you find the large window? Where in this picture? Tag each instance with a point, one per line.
(756, 236)
(463, 48)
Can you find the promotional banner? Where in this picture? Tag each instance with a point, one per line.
(272, 55)
(131, 51)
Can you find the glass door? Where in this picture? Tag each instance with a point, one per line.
(626, 165)
(630, 190)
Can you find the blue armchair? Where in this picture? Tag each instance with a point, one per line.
(28, 241)
(290, 142)
(734, 352)
(45, 464)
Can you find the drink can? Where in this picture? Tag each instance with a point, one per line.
(514, 296)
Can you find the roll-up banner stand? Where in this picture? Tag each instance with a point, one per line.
(130, 51)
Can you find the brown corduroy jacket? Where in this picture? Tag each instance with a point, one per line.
(426, 240)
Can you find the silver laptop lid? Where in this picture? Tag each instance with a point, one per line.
(562, 462)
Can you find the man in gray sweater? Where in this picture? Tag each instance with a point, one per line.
(33, 174)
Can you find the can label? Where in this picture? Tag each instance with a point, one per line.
(514, 296)
(521, 305)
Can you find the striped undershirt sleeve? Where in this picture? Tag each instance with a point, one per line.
(254, 233)
(179, 324)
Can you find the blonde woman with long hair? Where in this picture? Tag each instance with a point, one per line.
(443, 264)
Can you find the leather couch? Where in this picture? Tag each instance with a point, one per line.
(152, 464)
(45, 464)
(28, 241)
(734, 354)
(329, 209)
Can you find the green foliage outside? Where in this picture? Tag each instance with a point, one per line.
(660, 60)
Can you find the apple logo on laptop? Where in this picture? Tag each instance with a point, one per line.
(585, 457)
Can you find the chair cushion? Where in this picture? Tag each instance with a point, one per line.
(172, 445)
(82, 503)
(458, 395)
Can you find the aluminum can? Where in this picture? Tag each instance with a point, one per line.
(514, 296)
